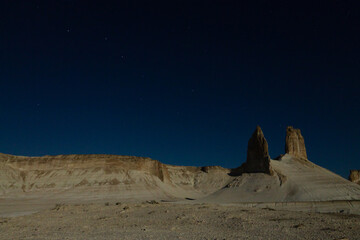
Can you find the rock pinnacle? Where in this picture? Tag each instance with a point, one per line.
(294, 143)
(258, 159)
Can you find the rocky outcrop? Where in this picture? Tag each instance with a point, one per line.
(258, 159)
(208, 169)
(294, 143)
(123, 176)
(354, 176)
(160, 170)
(56, 173)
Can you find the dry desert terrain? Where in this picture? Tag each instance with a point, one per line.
(153, 220)
(125, 197)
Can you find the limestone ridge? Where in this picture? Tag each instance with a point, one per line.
(294, 143)
(258, 159)
(354, 176)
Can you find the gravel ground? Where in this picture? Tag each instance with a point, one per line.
(153, 220)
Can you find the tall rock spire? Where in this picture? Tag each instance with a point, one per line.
(258, 159)
(294, 143)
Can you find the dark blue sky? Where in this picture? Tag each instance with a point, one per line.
(185, 83)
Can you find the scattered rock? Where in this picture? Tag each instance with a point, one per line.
(258, 159)
(59, 206)
(299, 225)
(294, 143)
(152, 202)
(3, 221)
(354, 176)
(269, 209)
(179, 217)
(329, 229)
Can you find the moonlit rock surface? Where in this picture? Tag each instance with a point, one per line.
(96, 176)
(258, 159)
(29, 184)
(354, 176)
(294, 180)
(295, 144)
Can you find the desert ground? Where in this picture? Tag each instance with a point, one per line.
(165, 220)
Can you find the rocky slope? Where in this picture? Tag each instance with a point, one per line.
(293, 178)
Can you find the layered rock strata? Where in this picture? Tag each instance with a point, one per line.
(294, 143)
(123, 176)
(258, 159)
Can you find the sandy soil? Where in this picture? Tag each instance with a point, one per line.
(153, 220)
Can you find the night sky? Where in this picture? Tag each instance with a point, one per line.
(185, 82)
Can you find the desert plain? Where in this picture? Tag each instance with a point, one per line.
(157, 220)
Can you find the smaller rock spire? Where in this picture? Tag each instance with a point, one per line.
(294, 143)
(354, 176)
(258, 159)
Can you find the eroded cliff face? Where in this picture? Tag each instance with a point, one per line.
(258, 159)
(354, 176)
(294, 143)
(104, 174)
(30, 174)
